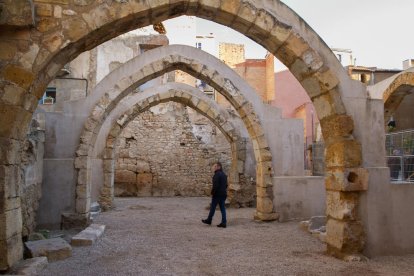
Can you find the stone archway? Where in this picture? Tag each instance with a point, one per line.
(393, 91)
(123, 81)
(73, 27)
(180, 93)
(401, 86)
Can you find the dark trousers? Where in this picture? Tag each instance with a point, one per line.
(220, 201)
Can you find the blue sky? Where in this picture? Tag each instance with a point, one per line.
(379, 32)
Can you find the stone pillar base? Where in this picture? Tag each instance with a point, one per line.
(75, 221)
(266, 216)
(11, 251)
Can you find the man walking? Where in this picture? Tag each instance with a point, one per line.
(218, 195)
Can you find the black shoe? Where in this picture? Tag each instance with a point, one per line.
(222, 225)
(206, 221)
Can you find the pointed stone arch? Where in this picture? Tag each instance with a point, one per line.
(26, 69)
(123, 81)
(393, 91)
(170, 92)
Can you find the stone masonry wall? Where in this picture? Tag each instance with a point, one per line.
(32, 173)
(162, 153)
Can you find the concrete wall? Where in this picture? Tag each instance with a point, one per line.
(299, 198)
(386, 210)
(58, 192)
(388, 214)
(285, 138)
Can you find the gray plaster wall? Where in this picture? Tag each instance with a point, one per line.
(59, 178)
(285, 139)
(58, 192)
(299, 198)
(387, 211)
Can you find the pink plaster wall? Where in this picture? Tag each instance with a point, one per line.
(290, 96)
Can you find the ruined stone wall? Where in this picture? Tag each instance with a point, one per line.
(32, 174)
(162, 153)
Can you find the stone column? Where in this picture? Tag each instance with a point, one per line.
(106, 197)
(344, 181)
(11, 247)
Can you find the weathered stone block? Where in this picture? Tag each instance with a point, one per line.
(83, 176)
(57, 12)
(12, 251)
(54, 249)
(144, 179)
(246, 17)
(11, 223)
(13, 94)
(208, 8)
(108, 179)
(11, 176)
(264, 154)
(344, 238)
(327, 79)
(10, 203)
(88, 236)
(97, 17)
(324, 105)
(342, 205)
(83, 205)
(44, 9)
(349, 179)
(17, 13)
(8, 50)
(33, 266)
(312, 87)
(343, 153)
(83, 150)
(75, 28)
(125, 176)
(53, 41)
(337, 126)
(278, 35)
(82, 191)
(9, 149)
(301, 70)
(227, 11)
(81, 162)
(18, 75)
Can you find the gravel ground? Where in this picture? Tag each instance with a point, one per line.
(164, 236)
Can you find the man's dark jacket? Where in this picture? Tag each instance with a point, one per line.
(219, 184)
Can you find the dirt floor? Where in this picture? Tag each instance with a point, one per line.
(165, 236)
